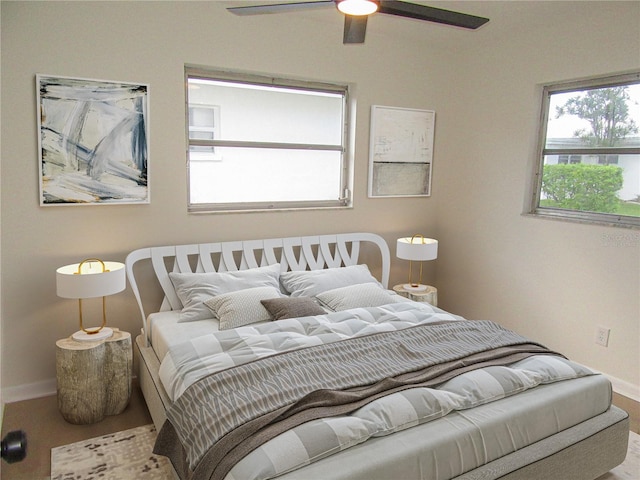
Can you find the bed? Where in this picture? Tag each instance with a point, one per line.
(289, 358)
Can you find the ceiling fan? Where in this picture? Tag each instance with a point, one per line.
(357, 11)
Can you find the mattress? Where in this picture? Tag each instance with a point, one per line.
(165, 331)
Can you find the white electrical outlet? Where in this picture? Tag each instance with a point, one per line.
(602, 336)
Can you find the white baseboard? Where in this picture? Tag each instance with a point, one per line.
(29, 391)
(624, 388)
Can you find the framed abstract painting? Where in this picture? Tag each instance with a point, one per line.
(400, 152)
(92, 141)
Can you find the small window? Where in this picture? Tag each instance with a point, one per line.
(589, 154)
(265, 143)
(608, 159)
(204, 121)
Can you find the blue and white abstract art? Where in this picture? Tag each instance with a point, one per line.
(93, 141)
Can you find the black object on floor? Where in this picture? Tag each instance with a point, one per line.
(14, 446)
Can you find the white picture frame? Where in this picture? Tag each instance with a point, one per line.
(93, 141)
(400, 152)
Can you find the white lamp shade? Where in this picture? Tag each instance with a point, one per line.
(92, 282)
(418, 251)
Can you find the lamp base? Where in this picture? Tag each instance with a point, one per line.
(82, 336)
(414, 288)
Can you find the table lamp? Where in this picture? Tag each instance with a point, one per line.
(416, 249)
(89, 279)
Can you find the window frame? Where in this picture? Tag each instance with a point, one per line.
(535, 209)
(345, 148)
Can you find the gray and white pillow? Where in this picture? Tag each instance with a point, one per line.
(355, 296)
(195, 288)
(243, 307)
(311, 283)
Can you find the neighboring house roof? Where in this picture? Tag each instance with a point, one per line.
(574, 142)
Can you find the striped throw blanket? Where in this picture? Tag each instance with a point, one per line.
(225, 415)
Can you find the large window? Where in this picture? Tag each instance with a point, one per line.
(265, 143)
(589, 154)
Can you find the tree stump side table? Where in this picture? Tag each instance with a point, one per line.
(430, 295)
(94, 378)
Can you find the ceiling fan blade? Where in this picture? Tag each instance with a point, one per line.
(431, 14)
(355, 29)
(280, 7)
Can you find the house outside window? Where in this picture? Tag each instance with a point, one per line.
(204, 121)
(588, 165)
(262, 143)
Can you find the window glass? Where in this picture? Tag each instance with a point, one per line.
(589, 167)
(264, 143)
(246, 175)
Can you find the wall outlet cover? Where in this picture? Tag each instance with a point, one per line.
(602, 336)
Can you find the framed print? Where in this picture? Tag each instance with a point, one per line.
(400, 152)
(92, 141)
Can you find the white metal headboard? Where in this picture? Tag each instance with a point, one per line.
(292, 253)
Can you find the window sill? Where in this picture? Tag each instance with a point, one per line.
(586, 218)
(202, 211)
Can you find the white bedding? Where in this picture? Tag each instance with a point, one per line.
(481, 434)
(457, 443)
(189, 361)
(166, 330)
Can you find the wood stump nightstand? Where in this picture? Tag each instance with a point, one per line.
(430, 295)
(94, 378)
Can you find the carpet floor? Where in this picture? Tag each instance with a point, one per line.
(128, 455)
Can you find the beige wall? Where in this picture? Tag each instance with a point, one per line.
(551, 280)
(150, 42)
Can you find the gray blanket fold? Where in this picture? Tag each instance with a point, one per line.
(223, 417)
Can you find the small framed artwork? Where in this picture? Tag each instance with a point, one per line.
(400, 152)
(93, 141)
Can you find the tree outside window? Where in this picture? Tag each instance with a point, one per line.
(589, 166)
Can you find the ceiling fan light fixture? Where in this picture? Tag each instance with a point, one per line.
(357, 7)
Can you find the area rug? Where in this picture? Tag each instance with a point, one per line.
(630, 468)
(128, 455)
(125, 455)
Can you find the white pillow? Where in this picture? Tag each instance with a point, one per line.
(311, 283)
(354, 296)
(242, 307)
(195, 288)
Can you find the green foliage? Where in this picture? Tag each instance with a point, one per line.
(606, 110)
(582, 187)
